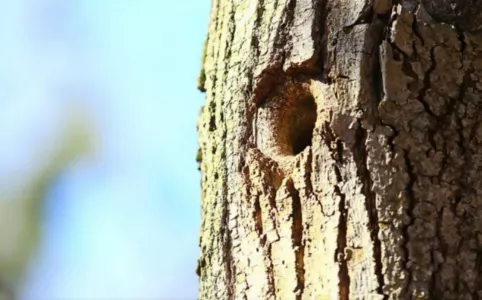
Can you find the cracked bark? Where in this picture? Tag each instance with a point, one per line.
(341, 151)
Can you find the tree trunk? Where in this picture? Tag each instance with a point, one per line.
(341, 150)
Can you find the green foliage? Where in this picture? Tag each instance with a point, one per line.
(20, 209)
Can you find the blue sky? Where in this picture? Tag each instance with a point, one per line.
(122, 224)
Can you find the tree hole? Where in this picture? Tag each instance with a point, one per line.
(301, 125)
(286, 121)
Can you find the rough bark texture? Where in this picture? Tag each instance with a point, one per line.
(341, 150)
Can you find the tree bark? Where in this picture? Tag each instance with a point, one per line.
(341, 150)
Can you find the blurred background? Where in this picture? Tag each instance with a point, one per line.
(99, 187)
